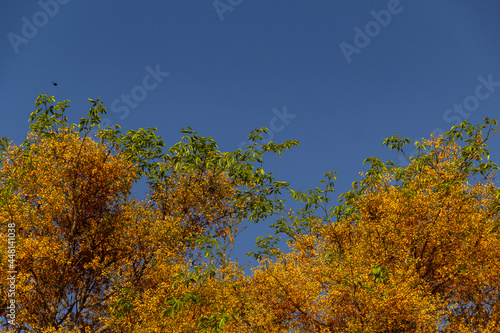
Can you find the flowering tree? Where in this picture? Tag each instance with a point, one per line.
(407, 249)
(91, 258)
(410, 249)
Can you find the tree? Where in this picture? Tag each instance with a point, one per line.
(412, 249)
(407, 249)
(86, 252)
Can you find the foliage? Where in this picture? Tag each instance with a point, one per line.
(407, 249)
(414, 249)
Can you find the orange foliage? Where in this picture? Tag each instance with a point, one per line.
(68, 210)
(421, 257)
(413, 249)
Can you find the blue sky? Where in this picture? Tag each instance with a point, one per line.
(339, 76)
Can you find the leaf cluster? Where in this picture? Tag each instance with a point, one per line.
(407, 249)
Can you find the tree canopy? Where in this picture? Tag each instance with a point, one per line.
(413, 248)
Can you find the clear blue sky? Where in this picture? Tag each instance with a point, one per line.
(347, 73)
